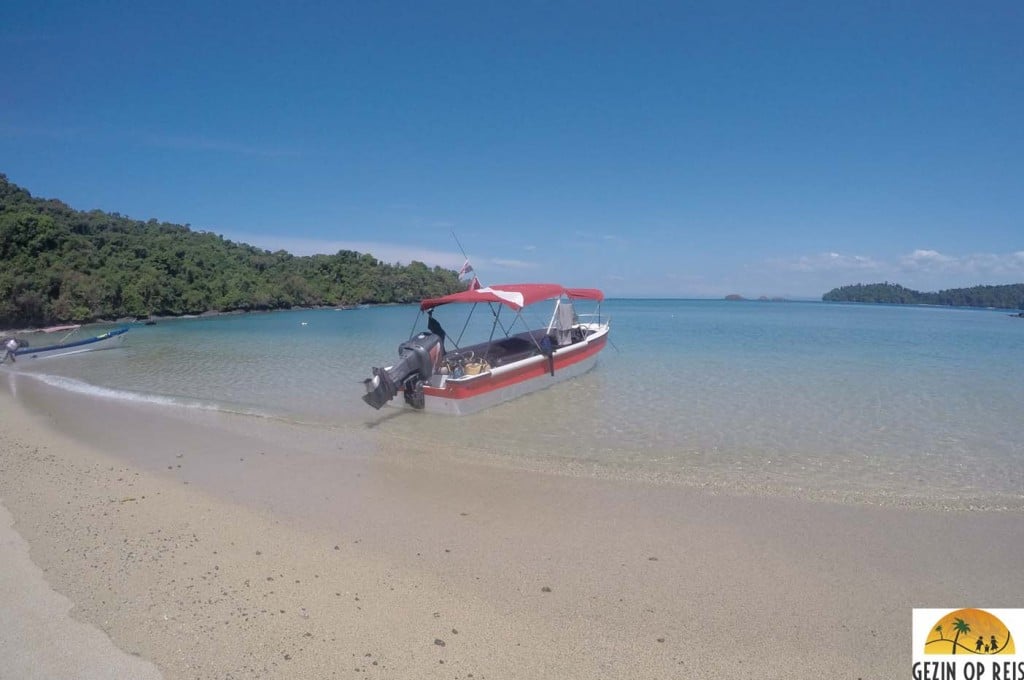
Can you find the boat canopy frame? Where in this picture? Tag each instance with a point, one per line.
(516, 297)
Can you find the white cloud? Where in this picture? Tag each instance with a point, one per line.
(512, 264)
(590, 236)
(976, 264)
(923, 269)
(924, 259)
(385, 252)
(826, 262)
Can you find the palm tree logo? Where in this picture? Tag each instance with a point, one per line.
(993, 635)
(960, 626)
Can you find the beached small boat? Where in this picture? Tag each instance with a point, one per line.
(438, 373)
(69, 346)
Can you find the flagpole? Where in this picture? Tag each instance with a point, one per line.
(459, 244)
(474, 283)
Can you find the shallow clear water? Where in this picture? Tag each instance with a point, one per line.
(893, 404)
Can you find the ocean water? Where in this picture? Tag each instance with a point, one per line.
(862, 403)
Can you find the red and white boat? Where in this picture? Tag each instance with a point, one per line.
(438, 373)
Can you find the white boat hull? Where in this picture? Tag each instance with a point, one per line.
(104, 341)
(462, 407)
(470, 394)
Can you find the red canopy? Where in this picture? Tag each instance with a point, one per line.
(514, 295)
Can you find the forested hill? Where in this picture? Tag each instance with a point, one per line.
(63, 265)
(1003, 297)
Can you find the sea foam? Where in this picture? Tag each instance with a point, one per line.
(82, 387)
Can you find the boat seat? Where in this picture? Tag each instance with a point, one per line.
(508, 350)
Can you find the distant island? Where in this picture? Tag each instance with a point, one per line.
(733, 297)
(1000, 297)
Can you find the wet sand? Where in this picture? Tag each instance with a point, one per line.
(223, 546)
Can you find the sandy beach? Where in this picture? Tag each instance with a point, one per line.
(218, 546)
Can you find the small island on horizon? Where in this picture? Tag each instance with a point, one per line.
(734, 297)
(1000, 297)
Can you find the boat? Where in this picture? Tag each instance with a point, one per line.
(68, 346)
(439, 374)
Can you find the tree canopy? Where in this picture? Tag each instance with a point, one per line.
(64, 265)
(1001, 297)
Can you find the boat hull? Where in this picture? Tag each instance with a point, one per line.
(470, 394)
(104, 341)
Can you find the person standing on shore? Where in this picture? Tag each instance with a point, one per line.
(10, 347)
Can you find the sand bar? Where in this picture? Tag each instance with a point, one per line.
(219, 547)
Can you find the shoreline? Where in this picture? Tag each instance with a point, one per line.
(39, 638)
(762, 482)
(218, 548)
(209, 314)
(154, 318)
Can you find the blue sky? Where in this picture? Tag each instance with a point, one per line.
(654, 149)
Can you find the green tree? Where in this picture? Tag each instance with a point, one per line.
(62, 264)
(960, 626)
(1000, 297)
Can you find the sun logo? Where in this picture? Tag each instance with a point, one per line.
(969, 631)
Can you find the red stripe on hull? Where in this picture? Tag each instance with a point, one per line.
(474, 388)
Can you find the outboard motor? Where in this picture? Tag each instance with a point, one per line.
(418, 359)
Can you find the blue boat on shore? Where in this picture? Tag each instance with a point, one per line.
(65, 347)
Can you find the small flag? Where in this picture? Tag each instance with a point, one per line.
(468, 276)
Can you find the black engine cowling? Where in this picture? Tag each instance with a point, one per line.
(418, 358)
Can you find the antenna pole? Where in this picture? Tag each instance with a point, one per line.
(461, 249)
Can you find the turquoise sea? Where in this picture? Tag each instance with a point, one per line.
(863, 403)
